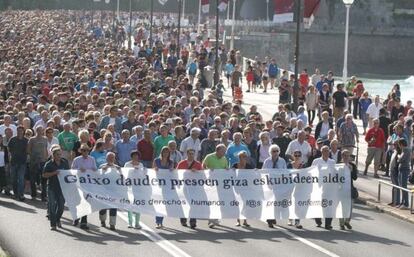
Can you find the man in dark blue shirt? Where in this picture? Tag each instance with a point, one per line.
(54, 192)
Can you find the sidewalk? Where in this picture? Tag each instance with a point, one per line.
(367, 185)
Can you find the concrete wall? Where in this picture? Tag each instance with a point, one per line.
(368, 54)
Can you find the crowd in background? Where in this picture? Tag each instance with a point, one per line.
(72, 96)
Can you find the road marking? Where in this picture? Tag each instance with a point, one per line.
(158, 239)
(307, 242)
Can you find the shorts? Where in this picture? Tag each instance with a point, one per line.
(374, 153)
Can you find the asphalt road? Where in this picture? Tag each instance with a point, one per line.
(25, 233)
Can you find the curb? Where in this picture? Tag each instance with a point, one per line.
(368, 200)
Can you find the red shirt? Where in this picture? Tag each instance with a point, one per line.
(184, 165)
(375, 137)
(146, 149)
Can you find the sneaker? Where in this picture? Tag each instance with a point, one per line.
(328, 227)
(298, 226)
(75, 223)
(245, 224)
(59, 224)
(270, 225)
(319, 225)
(211, 225)
(112, 227)
(184, 224)
(342, 227)
(103, 224)
(158, 226)
(53, 228)
(238, 224)
(403, 207)
(348, 226)
(137, 226)
(290, 223)
(193, 226)
(376, 176)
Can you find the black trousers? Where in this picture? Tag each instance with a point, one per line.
(328, 221)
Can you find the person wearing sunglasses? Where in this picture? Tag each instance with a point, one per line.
(274, 162)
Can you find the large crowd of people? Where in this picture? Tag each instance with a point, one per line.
(73, 96)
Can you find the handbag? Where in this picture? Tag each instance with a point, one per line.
(354, 193)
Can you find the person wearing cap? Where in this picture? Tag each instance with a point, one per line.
(56, 201)
(191, 142)
(37, 149)
(83, 163)
(134, 217)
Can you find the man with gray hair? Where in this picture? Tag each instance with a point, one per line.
(37, 149)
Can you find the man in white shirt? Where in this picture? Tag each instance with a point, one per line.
(373, 111)
(301, 145)
(8, 124)
(191, 142)
(320, 162)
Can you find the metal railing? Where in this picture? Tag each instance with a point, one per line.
(410, 191)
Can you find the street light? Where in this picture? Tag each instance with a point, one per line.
(348, 4)
(130, 25)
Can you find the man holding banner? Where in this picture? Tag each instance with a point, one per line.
(56, 201)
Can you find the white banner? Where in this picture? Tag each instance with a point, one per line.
(215, 194)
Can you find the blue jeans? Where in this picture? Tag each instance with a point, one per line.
(364, 119)
(402, 182)
(17, 173)
(158, 220)
(56, 204)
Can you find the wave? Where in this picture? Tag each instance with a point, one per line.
(410, 80)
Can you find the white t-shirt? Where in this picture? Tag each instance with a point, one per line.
(319, 162)
(190, 143)
(130, 165)
(304, 148)
(373, 110)
(3, 128)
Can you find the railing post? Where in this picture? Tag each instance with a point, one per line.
(379, 191)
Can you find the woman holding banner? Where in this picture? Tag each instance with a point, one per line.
(137, 165)
(242, 164)
(162, 162)
(296, 164)
(110, 163)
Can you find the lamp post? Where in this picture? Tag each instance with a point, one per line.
(296, 57)
(232, 25)
(267, 10)
(130, 25)
(180, 2)
(216, 61)
(151, 21)
(348, 4)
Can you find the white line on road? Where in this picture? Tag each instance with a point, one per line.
(159, 240)
(307, 242)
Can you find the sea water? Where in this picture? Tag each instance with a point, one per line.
(383, 87)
